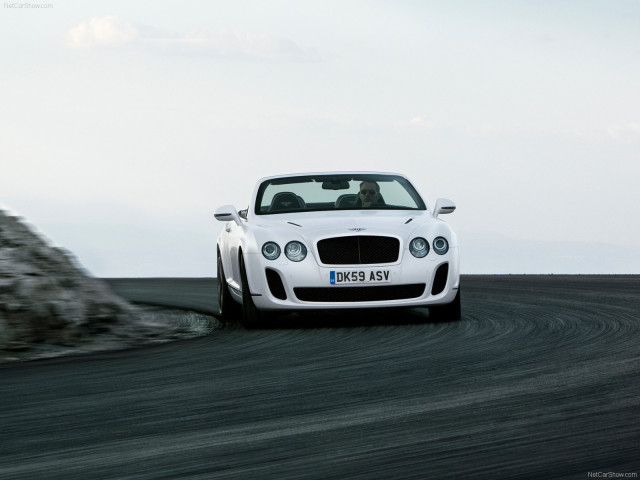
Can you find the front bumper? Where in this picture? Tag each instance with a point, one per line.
(411, 282)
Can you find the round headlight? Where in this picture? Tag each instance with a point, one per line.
(419, 247)
(295, 251)
(440, 245)
(271, 250)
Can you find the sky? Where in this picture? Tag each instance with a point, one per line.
(125, 124)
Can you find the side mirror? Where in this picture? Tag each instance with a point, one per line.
(227, 213)
(443, 206)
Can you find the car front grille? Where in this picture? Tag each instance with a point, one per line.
(377, 293)
(358, 250)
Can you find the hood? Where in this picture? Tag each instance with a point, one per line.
(315, 225)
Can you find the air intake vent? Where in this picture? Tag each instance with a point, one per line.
(275, 284)
(378, 293)
(440, 279)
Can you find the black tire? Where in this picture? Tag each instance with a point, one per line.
(228, 308)
(251, 317)
(449, 312)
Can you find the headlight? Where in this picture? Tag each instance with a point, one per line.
(295, 251)
(440, 245)
(419, 247)
(271, 250)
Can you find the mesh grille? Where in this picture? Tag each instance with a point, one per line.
(359, 294)
(358, 250)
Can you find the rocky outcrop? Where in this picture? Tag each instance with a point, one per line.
(45, 296)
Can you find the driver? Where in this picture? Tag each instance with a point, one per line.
(369, 194)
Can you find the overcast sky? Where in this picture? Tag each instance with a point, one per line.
(124, 124)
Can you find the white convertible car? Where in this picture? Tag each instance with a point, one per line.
(336, 240)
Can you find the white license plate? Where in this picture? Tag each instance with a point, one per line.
(346, 277)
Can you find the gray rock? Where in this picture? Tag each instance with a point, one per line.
(46, 296)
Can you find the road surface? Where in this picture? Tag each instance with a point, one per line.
(540, 379)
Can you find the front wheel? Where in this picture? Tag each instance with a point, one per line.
(449, 312)
(251, 316)
(228, 308)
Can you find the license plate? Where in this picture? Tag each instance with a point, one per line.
(346, 277)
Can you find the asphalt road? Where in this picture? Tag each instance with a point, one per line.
(540, 379)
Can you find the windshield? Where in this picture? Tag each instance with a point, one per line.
(336, 192)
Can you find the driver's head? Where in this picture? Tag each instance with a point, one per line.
(369, 193)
